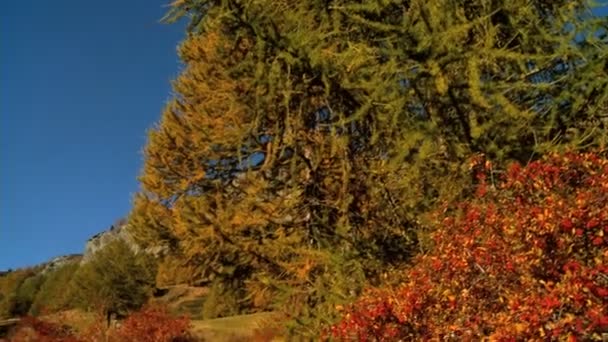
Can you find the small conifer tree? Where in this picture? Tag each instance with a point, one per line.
(116, 280)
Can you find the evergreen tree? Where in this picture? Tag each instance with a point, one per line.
(12, 301)
(54, 293)
(305, 138)
(115, 280)
(26, 294)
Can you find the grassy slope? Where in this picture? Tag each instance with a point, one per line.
(186, 300)
(237, 328)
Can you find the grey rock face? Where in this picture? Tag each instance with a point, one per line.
(60, 261)
(119, 230)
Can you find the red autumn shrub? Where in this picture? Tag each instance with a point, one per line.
(33, 329)
(149, 324)
(527, 260)
(152, 324)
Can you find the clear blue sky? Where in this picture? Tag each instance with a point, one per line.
(80, 84)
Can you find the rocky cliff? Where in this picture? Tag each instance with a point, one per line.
(60, 261)
(119, 230)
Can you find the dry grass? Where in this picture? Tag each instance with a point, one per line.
(185, 300)
(262, 326)
(78, 320)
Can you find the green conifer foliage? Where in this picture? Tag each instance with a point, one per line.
(54, 293)
(116, 280)
(26, 294)
(12, 301)
(305, 138)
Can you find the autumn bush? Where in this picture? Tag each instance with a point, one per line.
(31, 328)
(153, 324)
(525, 259)
(150, 324)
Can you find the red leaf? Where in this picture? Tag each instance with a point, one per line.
(594, 222)
(597, 241)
